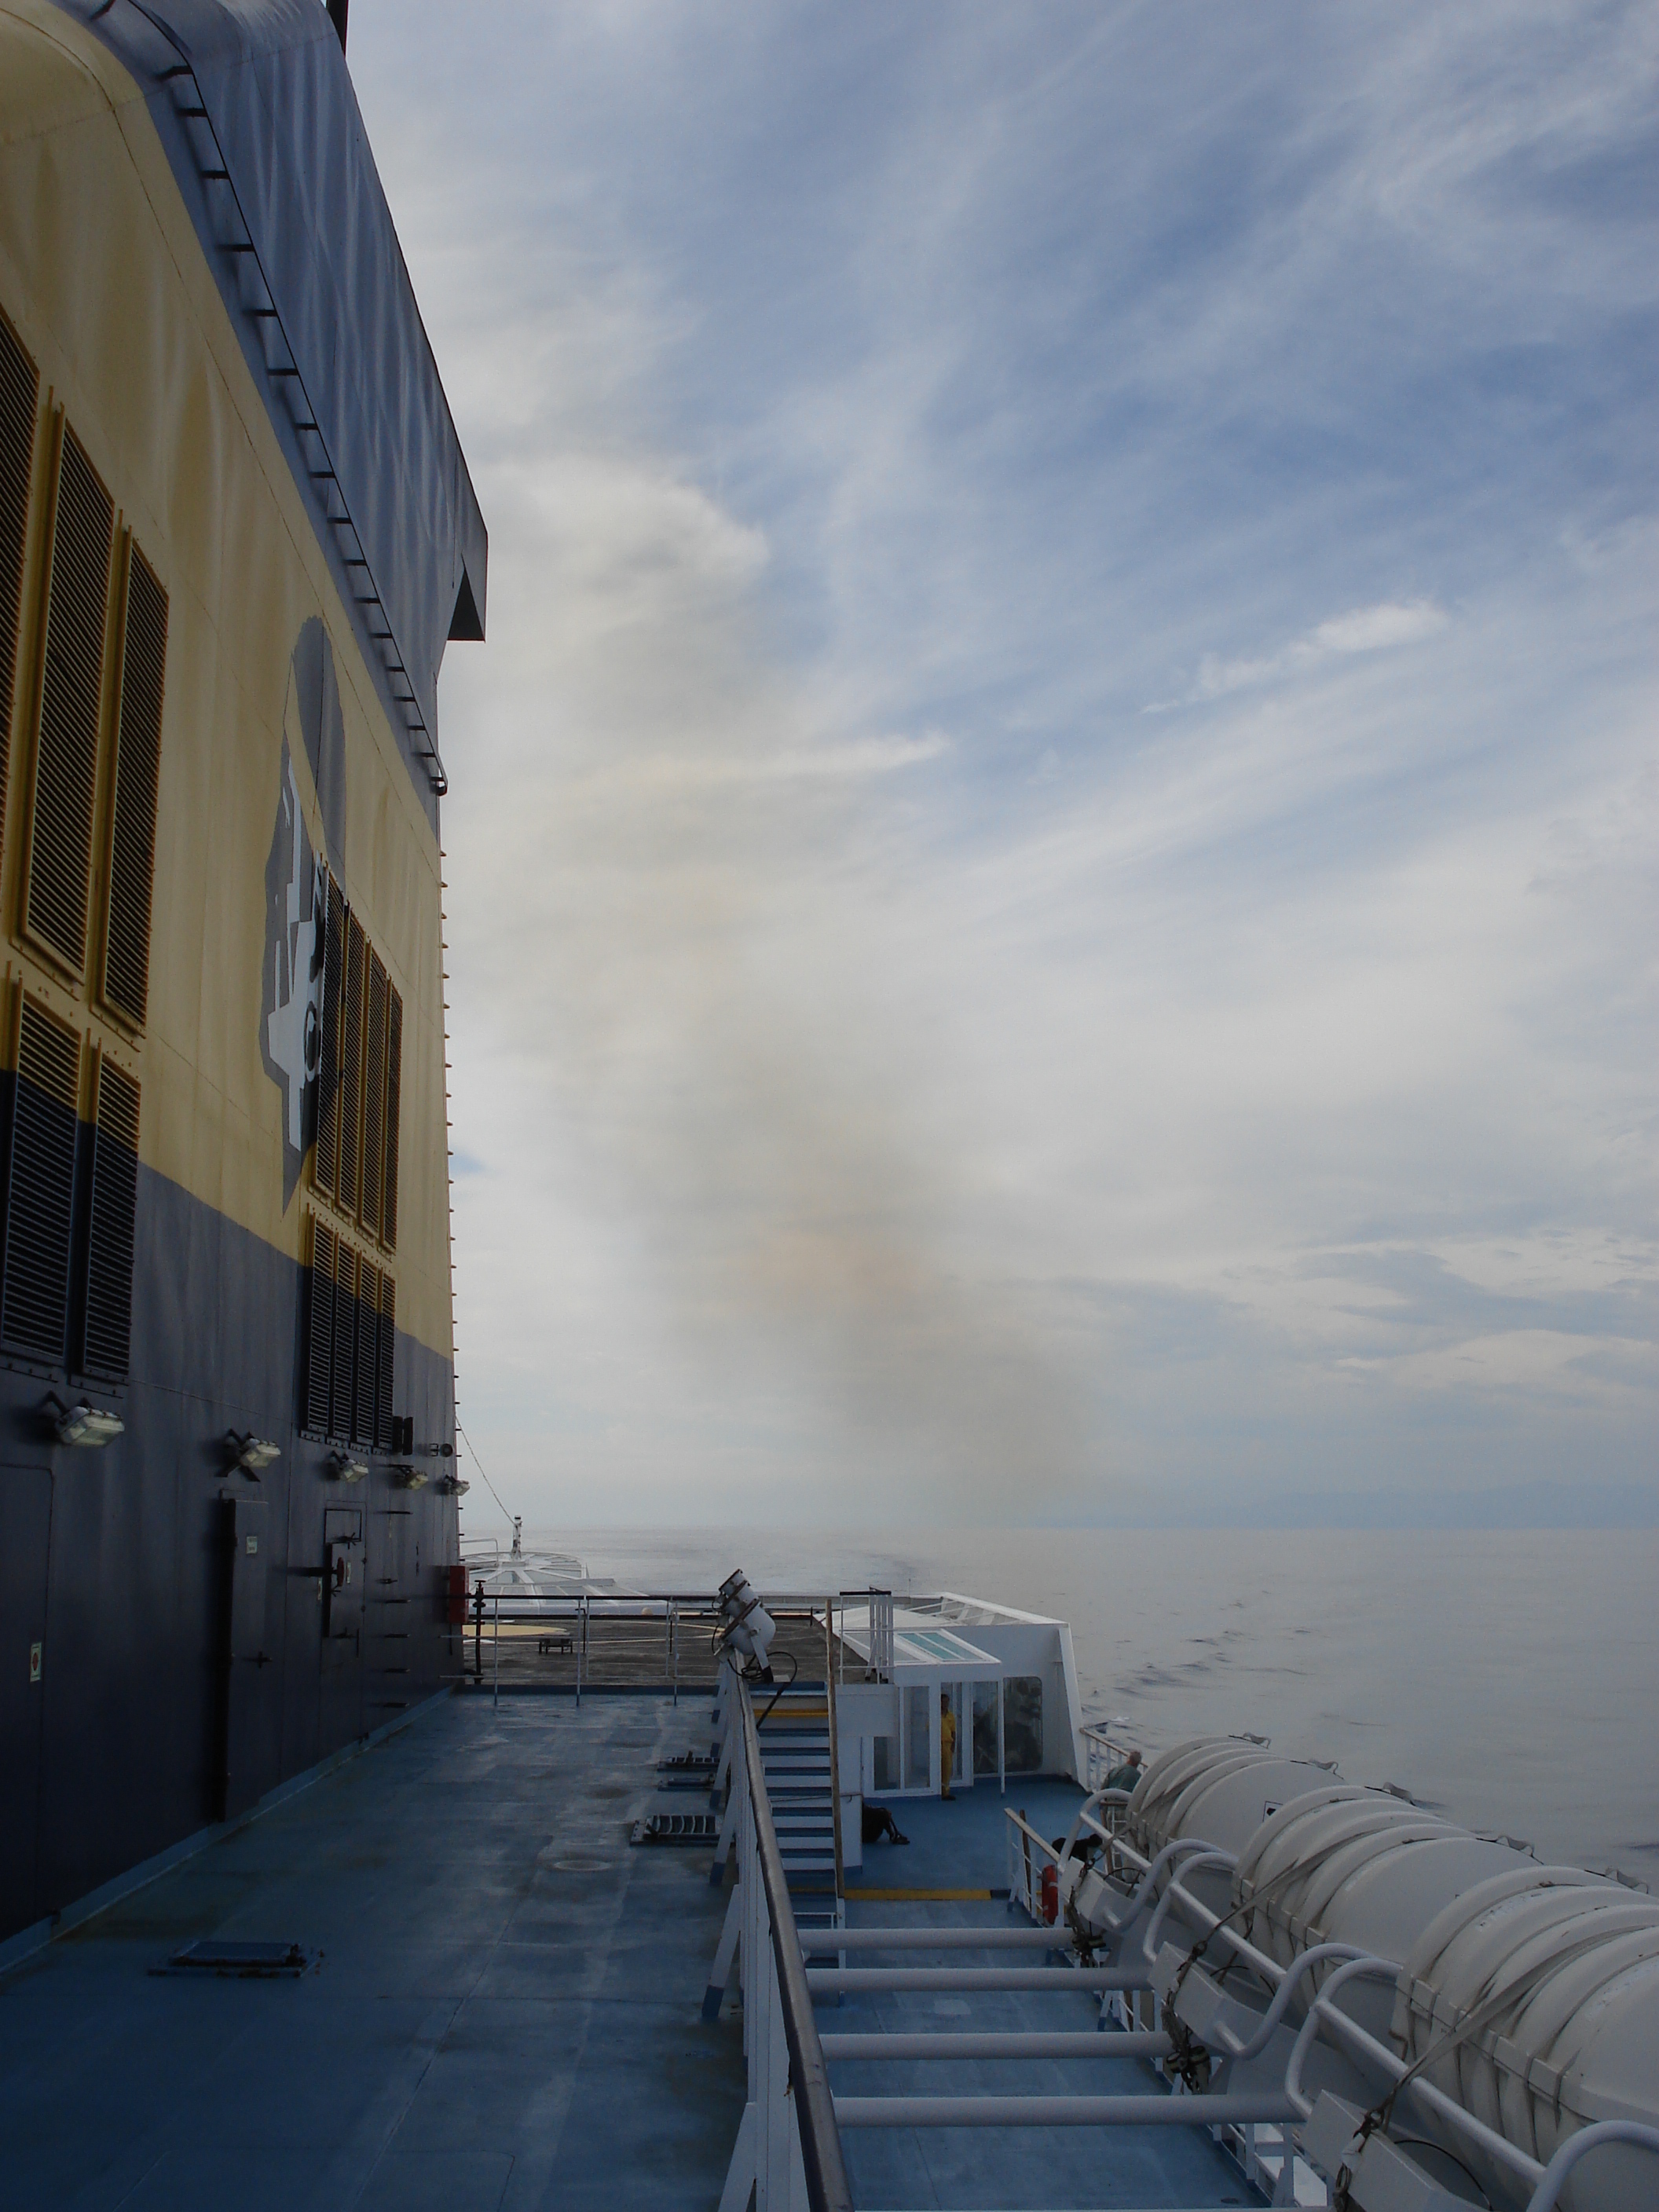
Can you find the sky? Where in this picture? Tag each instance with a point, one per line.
(1051, 858)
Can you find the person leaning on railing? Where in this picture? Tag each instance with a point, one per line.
(1126, 1776)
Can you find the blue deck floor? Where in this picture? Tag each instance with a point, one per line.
(506, 2014)
(962, 1844)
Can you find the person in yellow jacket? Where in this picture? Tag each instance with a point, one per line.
(947, 1744)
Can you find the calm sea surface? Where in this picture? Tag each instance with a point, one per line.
(1512, 1678)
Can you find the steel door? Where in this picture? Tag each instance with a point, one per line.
(346, 1576)
(25, 1517)
(245, 1563)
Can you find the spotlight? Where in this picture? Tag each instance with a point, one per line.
(89, 1425)
(348, 1470)
(253, 1452)
(411, 1478)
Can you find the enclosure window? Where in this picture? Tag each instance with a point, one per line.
(985, 1727)
(918, 1705)
(1022, 1723)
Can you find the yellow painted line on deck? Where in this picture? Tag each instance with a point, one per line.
(921, 1896)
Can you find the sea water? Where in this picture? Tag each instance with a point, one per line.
(1511, 1678)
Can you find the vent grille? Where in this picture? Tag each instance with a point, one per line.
(346, 1187)
(345, 1332)
(383, 1424)
(369, 1343)
(325, 1164)
(375, 1096)
(41, 1195)
(394, 1087)
(319, 1331)
(114, 1211)
(19, 393)
(137, 773)
(66, 764)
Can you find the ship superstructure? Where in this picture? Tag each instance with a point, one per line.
(236, 533)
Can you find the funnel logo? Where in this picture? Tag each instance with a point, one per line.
(291, 997)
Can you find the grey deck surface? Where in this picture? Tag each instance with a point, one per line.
(506, 2014)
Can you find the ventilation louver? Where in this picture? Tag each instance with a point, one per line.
(107, 1345)
(394, 1089)
(19, 393)
(374, 1097)
(346, 1187)
(40, 1189)
(137, 773)
(319, 1331)
(388, 1326)
(325, 1164)
(66, 755)
(369, 1346)
(345, 1334)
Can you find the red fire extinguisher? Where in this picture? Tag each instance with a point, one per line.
(1051, 1894)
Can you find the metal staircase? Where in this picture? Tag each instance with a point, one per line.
(794, 1748)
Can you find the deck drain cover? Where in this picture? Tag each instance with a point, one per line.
(677, 1828)
(242, 1961)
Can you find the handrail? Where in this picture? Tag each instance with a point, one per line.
(834, 1746)
(827, 2189)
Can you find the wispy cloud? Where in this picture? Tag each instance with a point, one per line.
(1381, 628)
(1081, 1104)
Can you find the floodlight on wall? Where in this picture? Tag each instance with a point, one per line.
(88, 1426)
(344, 1469)
(411, 1478)
(253, 1454)
(452, 1485)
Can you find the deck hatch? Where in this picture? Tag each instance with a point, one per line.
(66, 755)
(240, 1961)
(40, 1192)
(137, 776)
(108, 1330)
(20, 395)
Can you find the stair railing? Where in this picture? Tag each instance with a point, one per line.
(788, 2148)
(834, 1746)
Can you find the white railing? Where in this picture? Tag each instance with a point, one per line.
(787, 2155)
(1029, 1853)
(1101, 1753)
